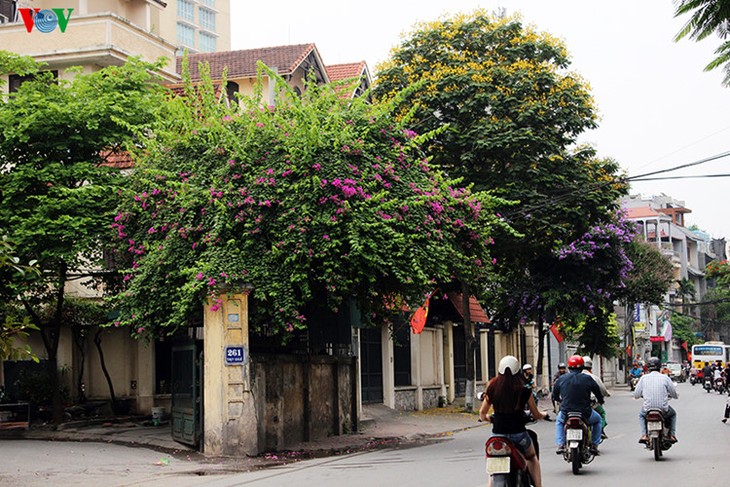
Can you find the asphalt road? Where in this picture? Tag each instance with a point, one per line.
(700, 458)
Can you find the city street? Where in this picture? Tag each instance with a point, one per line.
(700, 455)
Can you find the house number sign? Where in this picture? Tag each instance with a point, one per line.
(234, 355)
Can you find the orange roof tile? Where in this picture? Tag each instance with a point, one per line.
(338, 72)
(476, 312)
(242, 64)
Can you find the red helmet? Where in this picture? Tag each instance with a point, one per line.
(575, 362)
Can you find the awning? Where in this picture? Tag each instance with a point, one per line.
(475, 309)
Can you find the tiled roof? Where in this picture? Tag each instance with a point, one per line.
(242, 64)
(476, 311)
(120, 160)
(338, 72)
(641, 212)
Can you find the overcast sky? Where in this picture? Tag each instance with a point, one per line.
(658, 109)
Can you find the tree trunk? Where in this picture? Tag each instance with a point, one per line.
(470, 348)
(97, 342)
(539, 376)
(79, 341)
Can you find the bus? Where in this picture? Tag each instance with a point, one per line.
(709, 352)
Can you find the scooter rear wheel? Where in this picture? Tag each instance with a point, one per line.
(575, 460)
(657, 447)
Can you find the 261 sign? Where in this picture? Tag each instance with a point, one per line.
(45, 20)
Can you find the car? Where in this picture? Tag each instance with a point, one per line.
(677, 371)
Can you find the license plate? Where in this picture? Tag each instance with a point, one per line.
(575, 435)
(497, 465)
(654, 426)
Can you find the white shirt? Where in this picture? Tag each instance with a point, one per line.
(598, 380)
(656, 389)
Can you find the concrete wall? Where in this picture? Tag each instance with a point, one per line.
(303, 398)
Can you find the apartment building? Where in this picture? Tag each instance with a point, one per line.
(99, 33)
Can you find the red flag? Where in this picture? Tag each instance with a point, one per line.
(556, 332)
(418, 320)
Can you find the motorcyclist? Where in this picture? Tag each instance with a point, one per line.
(588, 370)
(508, 395)
(656, 389)
(573, 392)
(529, 377)
(707, 372)
(636, 370)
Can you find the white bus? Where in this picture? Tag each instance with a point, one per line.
(709, 352)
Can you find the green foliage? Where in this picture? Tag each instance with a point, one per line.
(508, 113)
(596, 333)
(707, 17)
(651, 275)
(315, 200)
(683, 329)
(13, 326)
(58, 195)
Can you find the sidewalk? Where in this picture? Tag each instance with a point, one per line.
(381, 427)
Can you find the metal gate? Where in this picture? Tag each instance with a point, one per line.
(371, 365)
(187, 382)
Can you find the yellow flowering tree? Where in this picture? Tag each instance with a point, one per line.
(508, 113)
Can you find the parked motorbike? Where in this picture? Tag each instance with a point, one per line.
(578, 436)
(707, 384)
(658, 433)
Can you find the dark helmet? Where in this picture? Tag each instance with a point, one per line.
(654, 363)
(575, 362)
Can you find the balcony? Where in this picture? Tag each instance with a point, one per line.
(91, 40)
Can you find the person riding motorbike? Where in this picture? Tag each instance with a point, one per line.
(636, 370)
(656, 389)
(529, 377)
(508, 395)
(588, 370)
(573, 392)
(562, 370)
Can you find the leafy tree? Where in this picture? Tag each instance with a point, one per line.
(58, 195)
(708, 17)
(13, 326)
(507, 112)
(717, 310)
(317, 199)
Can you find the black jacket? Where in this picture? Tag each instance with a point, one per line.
(573, 391)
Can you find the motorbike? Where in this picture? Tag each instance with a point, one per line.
(578, 436)
(634, 380)
(720, 385)
(707, 384)
(506, 465)
(658, 433)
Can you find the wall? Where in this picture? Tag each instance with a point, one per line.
(303, 398)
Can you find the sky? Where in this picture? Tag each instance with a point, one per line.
(657, 107)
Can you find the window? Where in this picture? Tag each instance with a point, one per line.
(186, 10)
(15, 80)
(207, 42)
(208, 3)
(207, 19)
(186, 35)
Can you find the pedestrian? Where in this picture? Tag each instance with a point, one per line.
(508, 395)
(656, 389)
(573, 392)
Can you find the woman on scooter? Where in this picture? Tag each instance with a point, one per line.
(508, 395)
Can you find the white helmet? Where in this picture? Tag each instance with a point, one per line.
(587, 362)
(527, 367)
(510, 363)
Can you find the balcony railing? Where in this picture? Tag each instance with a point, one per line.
(95, 39)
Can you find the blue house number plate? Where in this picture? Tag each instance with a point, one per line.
(234, 355)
